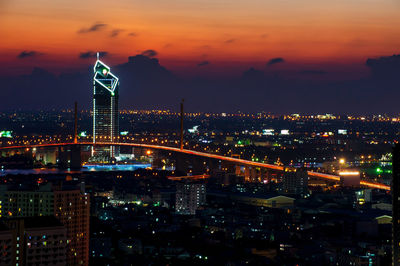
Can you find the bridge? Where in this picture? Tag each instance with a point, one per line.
(234, 161)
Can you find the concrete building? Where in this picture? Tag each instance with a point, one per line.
(26, 203)
(33, 241)
(295, 181)
(271, 201)
(189, 196)
(7, 245)
(69, 205)
(45, 241)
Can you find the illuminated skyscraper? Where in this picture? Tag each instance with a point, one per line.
(105, 109)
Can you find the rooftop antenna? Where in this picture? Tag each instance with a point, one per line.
(97, 55)
(182, 114)
(76, 123)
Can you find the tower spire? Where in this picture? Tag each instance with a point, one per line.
(97, 55)
(182, 114)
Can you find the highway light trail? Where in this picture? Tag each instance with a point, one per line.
(201, 154)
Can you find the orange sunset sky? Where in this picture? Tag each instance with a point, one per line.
(227, 34)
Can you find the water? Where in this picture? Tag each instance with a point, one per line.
(120, 167)
(86, 168)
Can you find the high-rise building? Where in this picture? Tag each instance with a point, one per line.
(105, 110)
(189, 196)
(26, 202)
(295, 181)
(33, 241)
(396, 206)
(69, 205)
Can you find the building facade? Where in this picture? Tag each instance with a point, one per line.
(71, 208)
(105, 111)
(69, 205)
(189, 196)
(33, 241)
(295, 181)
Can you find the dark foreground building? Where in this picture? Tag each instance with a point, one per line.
(68, 204)
(33, 241)
(396, 206)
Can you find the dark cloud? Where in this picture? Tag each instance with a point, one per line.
(95, 27)
(132, 34)
(385, 67)
(55, 91)
(203, 63)
(230, 41)
(276, 60)
(150, 53)
(252, 74)
(313, 72)
(146, 84)
(25, 54)
(115, 32)
(91, 54)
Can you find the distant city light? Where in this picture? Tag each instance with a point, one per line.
(268, 132)
(5, 134)
(285, 132)
(124, 133)
(82, 134)
(193, 130)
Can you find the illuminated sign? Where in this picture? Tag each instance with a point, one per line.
(342, 131)
(102, 71)
(124, 133)
(82, 134)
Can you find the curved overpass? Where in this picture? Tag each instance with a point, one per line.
(201, 154)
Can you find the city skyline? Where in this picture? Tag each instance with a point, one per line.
(187, 132)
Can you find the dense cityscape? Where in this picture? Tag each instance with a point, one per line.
(199, 133)
(148, 209)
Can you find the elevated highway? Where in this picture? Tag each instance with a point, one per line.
(196, 153)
